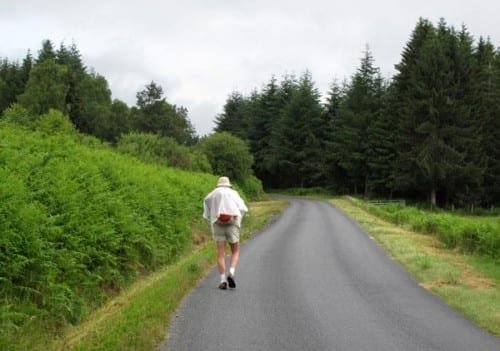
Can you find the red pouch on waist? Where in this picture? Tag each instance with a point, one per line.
(224, 217)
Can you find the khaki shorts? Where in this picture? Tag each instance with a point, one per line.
(223, 232)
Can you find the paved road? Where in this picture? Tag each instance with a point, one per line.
(315, 281)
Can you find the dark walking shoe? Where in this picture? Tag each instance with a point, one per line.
(231, 282)
(223, 286)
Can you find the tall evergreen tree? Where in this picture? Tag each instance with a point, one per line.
(234, 119)
(360, 108)
(491, 128)
(13, 79)
(335, 177)
(268, 107)
(297, 145)
(47, 52)
(381, 153)
(77, 75)
(438, 139)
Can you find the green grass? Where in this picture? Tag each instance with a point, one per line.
(471, 234)
(469, 283)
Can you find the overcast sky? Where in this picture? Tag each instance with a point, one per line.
(201, 51)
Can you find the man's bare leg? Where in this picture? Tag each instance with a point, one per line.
(235, 255)
(221, 253)
(221, 264)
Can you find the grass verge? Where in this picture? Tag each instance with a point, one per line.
(468, 283)
(138, 318)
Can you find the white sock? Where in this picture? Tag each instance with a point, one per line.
(231, 270)
(222, 278)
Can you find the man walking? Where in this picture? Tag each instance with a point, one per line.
(224, 208)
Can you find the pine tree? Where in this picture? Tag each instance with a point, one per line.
(381, 154)
(438, 139)
(234, 119)
(71, 58)
(335, 177)
(296, 144)
(491, 125)
(359, 110)
(279, 146)
(47, 52)
(267, 110)
(402, 104)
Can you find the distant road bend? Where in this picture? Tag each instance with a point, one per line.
(315, 281)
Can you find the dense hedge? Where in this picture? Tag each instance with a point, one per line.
(471, 234)
(77, 223)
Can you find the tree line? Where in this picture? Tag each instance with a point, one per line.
(58, 79)
(430, 133)
(56, 85)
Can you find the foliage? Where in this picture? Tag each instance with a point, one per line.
(46, 88)
(228, 155)
(252, 187)
(19, 115)
(156, 115)
(54, 122)
(235, 116)
(163, 150)
(78, 223)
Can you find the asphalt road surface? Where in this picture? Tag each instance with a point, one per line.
(315, 281)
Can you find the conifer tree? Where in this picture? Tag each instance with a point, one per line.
(335, 178)
(360, 108)
(268, 107)
(438, 139)
(47, 52)
(234, 119)
(297, 146)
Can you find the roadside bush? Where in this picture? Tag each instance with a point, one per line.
(228, 155)
(79, 223)
(252, 187)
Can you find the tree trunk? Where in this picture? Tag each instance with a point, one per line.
(366, 187)
(433, 196)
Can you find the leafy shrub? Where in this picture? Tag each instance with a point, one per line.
(163, 150)
(78, 223)
(252, 187)
(199, 162)
(228, 155)
(55, 122)
(19, 115)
